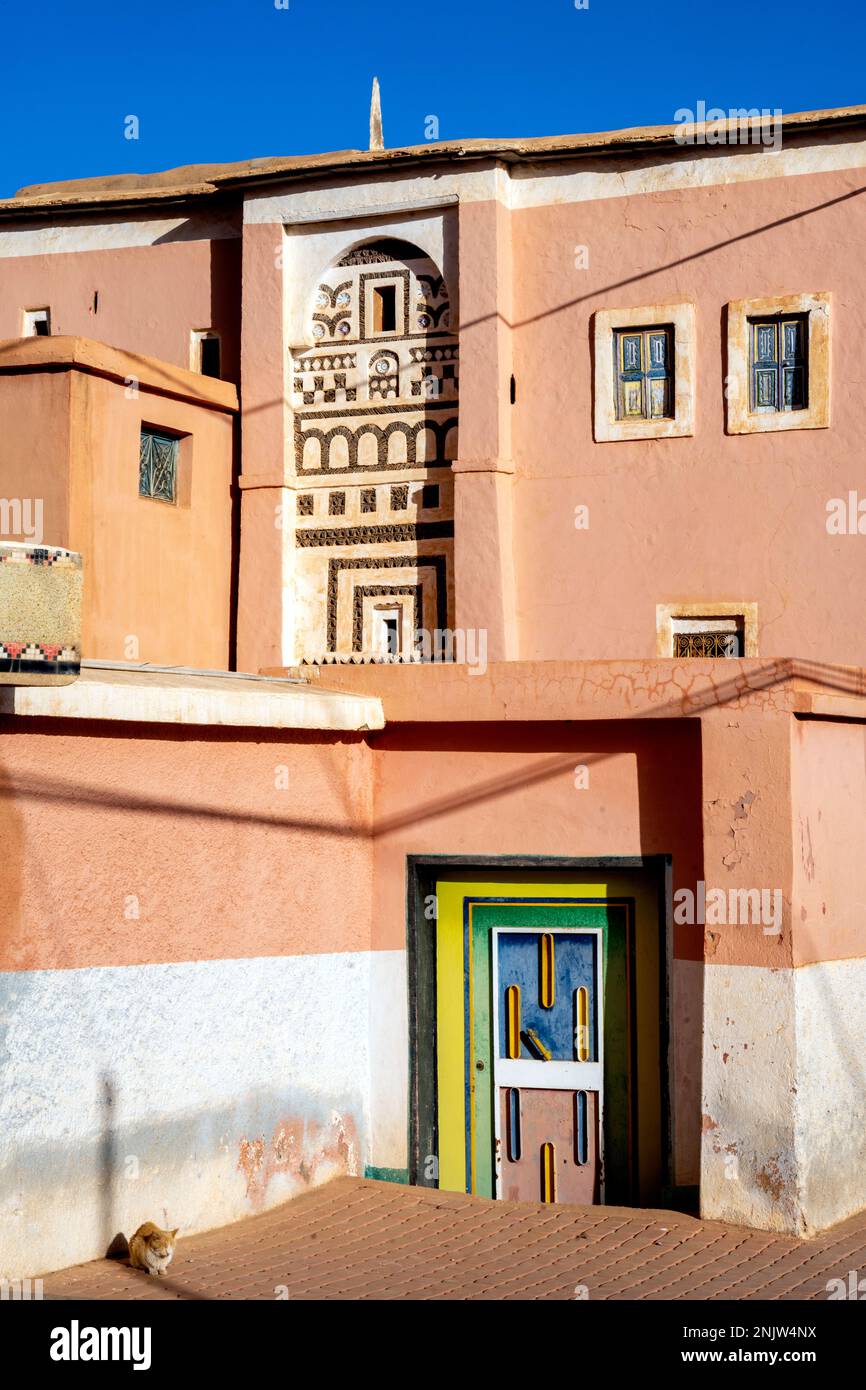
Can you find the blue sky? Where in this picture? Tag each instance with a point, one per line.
(214, 80)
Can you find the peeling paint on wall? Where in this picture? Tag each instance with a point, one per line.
(306, 1152)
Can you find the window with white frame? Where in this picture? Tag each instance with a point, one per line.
(37, 323)
(205, 352)
(644, 372)
(711, 630)
(388, 631)
(778, 368)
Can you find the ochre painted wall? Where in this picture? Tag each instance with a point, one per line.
(157, 577)
(512, 789)
(35, 451)
(156, 572)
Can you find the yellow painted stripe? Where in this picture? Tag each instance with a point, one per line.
(548, 1173)
(512, 1021)
(582, 1024)
(449, 1040)
(548, 971)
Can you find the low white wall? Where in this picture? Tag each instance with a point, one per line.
(784, 1095)
(831, 1089)
(190, 1095)
(389, 1061)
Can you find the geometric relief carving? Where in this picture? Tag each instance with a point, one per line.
(365, 591)
(338, 566)
(403, 531)
(375, 390)
(439, 418)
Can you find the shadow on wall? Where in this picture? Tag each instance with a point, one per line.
(72, 1199)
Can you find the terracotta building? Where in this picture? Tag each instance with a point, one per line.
(465, 783)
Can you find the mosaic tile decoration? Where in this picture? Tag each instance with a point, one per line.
(40, 614)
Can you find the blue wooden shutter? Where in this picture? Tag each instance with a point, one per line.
(631, 376)
(778, 365)
(658, 374)
(793, 364)
(644, 366)
(765, 366)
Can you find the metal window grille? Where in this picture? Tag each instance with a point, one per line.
(157, 466)
(712, 644)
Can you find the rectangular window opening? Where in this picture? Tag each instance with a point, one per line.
(709, 637)
(644, 370)
(389, 633)
(206, 353)
(157, 465)
(37, 323)
(385, 309)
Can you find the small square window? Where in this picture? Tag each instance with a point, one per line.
(644, 367)
(157, 465)
(368, 499)
(778, 363)
(305, 504)
(430, 496)
(400, 497)
(337, 504)
(37, 323)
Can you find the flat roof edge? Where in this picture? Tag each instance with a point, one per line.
(195, 701)
(194, 182)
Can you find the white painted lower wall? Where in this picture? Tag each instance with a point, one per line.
(831, 1089)
(784, 1095)
(189, 1094)
(389, 1060)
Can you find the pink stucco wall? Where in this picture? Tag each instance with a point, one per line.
(222, 858)
(829, 832)
(144, 299)
(461, 789)
(713, 516)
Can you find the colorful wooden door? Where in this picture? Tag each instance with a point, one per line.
(468, 1118)
(548, 1064)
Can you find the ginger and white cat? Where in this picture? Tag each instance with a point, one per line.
(152, 1249)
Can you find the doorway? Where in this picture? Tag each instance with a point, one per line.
(539, 1029)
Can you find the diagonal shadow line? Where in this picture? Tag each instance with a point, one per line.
(619, 284)
(44, 789)
(669, 265)
(850, 680)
